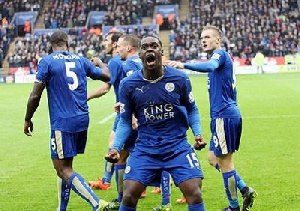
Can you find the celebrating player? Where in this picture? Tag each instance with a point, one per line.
(64, 75)
(161, 99)
(115, 66)
(226, 120)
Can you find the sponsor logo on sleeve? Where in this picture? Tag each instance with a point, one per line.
(191, 98)
(122, 108)
(216, 56)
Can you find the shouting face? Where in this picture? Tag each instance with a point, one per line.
(151, 52)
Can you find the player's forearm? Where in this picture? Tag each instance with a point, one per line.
(32, 105)
(209, 66)
(105, 76)
(124, 129)
(194, 120)
(99, 92)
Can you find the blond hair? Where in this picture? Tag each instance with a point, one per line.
(215, 28)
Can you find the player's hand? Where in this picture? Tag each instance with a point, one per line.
(97, 62)
(112, 156)
(28, 128)
(117, 107)
(175, 64)
(199, 143)
(134, 123)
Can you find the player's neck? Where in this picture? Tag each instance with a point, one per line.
(132, 54)
(114, 53)
(60, 49)
(153, 74)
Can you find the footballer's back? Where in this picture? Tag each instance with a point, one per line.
(65, 74)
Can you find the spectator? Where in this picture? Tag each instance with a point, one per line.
(27, 27)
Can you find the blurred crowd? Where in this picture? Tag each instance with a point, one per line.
(31, 47)
(272, 26)
(71, 13)
(269, 26)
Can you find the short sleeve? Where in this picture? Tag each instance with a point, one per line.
(187, 97)
(42, 71)
(113, 67)
(218, 55)
(126, 108)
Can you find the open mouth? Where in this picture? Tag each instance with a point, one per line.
(150, 59)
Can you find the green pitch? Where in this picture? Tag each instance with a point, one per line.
(268, 159)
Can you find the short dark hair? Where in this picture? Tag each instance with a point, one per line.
(115, 36)
(132, 39)
(150, 35)
(59, 38)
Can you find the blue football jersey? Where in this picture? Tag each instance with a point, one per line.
(161, 108)
(115, 66)
(65, 75)
(222, 87)
(131, 65)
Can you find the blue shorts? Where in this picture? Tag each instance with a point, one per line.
(130, 142)
(67, 145)
(226, 135)
(146, 169)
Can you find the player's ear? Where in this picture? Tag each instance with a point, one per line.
(162, 52)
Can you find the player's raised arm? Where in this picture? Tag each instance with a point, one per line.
(97, 70)
(208, 66)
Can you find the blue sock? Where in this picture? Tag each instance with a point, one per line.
(63, 194)
(119, 172)
(231, 188)
(197, 207)
(126, 208)
(77, 183)
(240, 182)
(165, 188)
(109, 171)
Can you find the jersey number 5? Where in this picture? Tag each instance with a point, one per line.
(71, 74)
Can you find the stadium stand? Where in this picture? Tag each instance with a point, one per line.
(271, 25)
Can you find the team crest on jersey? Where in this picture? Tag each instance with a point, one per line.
(129, 73)
(216, 56)
(170, 87)
(127, 169)
(191, 98)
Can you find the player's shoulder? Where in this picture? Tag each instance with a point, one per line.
(219, 53)
(131, 78)
(175, 72)
(116, 60)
